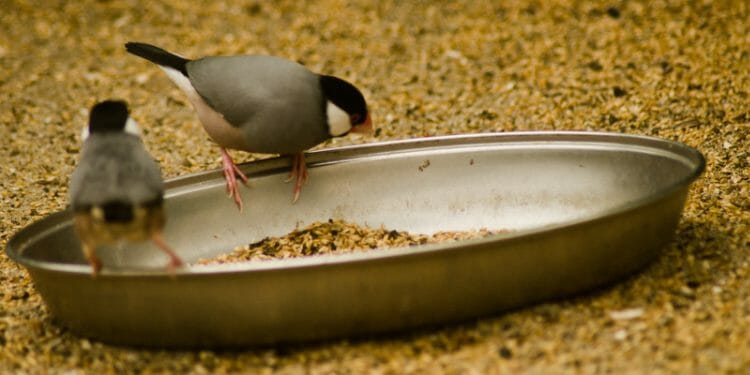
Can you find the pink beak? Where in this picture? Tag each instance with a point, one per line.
(363, 128)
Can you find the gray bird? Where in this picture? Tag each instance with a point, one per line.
(116, 190)
(263, 104)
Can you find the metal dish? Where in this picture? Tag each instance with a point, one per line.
(585, 209)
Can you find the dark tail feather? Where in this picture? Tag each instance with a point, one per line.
(158, 56)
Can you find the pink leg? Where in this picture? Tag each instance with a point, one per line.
(89, 250)
(299, 173)
(174, 260)
(231, 172)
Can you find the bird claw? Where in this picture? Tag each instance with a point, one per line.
(174, 261)
(96, 266)
(89, 251)
(231, 172)
(174, 264)
(299, 173)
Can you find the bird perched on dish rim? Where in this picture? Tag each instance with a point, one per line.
(116, 190)
(263, 104)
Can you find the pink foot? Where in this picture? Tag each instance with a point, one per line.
(299, 173)
(174, 260)
(231, 172)
(89, 251)
(96, 266)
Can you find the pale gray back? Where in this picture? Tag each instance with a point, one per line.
(277, 103)
(115, 167)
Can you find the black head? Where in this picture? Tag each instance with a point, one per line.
(108, 116)
(347, 97)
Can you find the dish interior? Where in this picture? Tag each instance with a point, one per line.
(498, 186)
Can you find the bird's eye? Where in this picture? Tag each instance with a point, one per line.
(355, 118)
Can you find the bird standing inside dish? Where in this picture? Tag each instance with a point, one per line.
(116, 190)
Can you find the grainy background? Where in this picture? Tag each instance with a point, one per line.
(678, 70)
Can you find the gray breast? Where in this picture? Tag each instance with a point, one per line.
(276, 103)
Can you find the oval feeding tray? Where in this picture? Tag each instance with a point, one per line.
(577, 210)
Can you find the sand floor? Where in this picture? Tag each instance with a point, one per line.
(677, 70)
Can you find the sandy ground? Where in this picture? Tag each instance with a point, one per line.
(658, 68)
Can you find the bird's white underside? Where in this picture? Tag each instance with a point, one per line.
(338, 120)
(213, 122)
(182, 82)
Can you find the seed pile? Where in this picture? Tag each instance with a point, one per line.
(335, 236)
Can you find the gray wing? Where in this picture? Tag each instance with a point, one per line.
(115, 167)
(277, 103)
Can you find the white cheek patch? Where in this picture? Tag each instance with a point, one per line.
(338, 120)
(131, 127)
